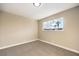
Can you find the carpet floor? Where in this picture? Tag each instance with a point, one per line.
(36, 48)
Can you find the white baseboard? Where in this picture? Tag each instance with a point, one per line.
(12, 45)
(75, 51)
(42, 41)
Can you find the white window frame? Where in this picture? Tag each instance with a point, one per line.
(49, 25)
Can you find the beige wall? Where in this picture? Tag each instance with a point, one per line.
(16, 29)
(70, 36)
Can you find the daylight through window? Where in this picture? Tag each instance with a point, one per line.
(55, 24)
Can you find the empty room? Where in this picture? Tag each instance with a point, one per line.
(39, 29)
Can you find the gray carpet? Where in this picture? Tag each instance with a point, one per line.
(36, 48)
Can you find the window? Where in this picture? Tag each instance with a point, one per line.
(55, 24)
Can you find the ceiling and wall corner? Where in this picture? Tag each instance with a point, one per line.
(35, 13)
(30, 11)
(67, 39)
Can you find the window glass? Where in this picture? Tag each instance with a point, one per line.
(55, 24)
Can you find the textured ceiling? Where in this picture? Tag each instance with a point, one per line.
(28, 10)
